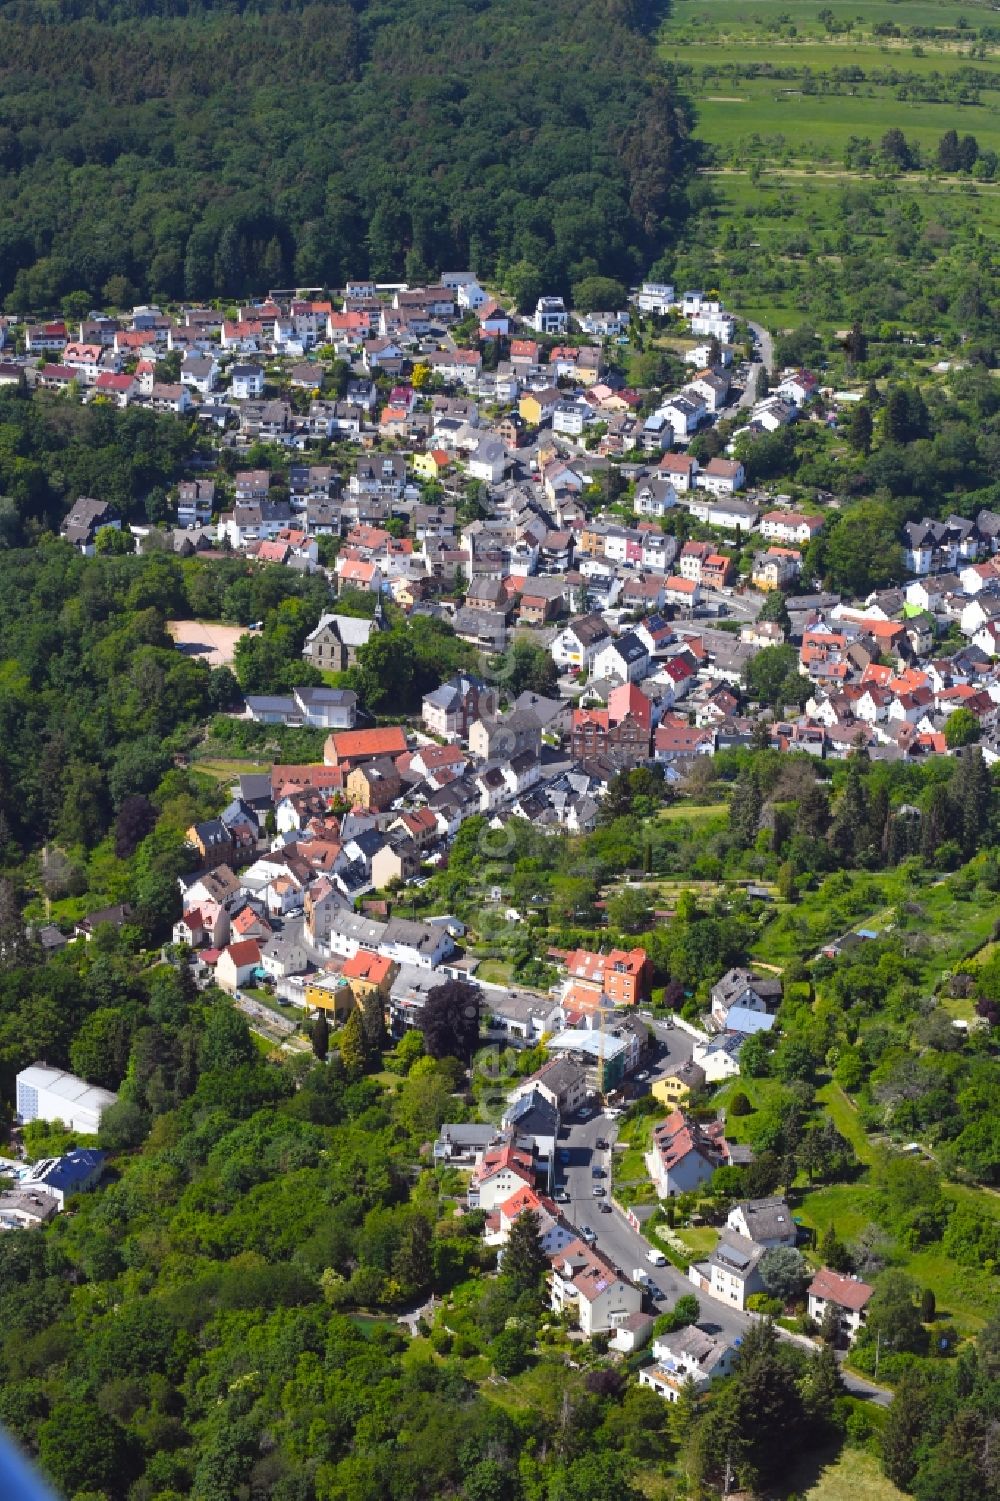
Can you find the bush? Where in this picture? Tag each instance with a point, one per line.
(761, 1303)
(740, 1105)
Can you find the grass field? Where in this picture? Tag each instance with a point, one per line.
(845, 1118)
(854, 1473)
(779, 97)
(694, 813)
(225, 771)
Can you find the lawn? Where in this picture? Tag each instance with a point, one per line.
(694, 812)
(495, 971)
(757, 1091)
(852, 1474)
(699, 1242)
(845, 1118)
(841, 1205)
(225, 771)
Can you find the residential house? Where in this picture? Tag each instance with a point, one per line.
(26, 1208)
(421, 945)
(86, 519)
(687, 1357)
(625, 659)
(452, 709)
(767, 1222)
(550, 316)
(742, 988)
(213, 843)
(777, 568)
(398, 860)
(375, 784)
(847, 1296)
(586, 1284)
(732, 1272)
(195, 502)
(790, 527)
(561, 1081)
(578, 644)
(247, 382)
(620, 733)
(682, 1156)
(722, 476)
(622, 975)
(674, 1090)
(681, 470)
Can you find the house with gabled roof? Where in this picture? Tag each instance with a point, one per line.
(687, 1356)
(682, 1155)
(586, 1284)
(847, 1296)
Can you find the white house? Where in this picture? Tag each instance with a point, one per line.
(684, 413)
(585, 1283)
(626, 659)
(682, 1155)
(847, 1295)
(717, 324)
(578, 643)
(655, 297)
(789, 527)
(655, 497)
(237, 964)
(722, 476)
(728, 515)
(488, 461)
(767, 1222)
(247, 382)
(550, 316)
(732, 1272)
(687, 1355)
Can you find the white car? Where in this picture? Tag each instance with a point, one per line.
(656, 1257)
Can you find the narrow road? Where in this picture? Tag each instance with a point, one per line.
(765, 356)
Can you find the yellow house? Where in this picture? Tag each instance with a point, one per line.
(330, 993)
(676, 1089)
(535, 406)
(432, 464)
(369, 975)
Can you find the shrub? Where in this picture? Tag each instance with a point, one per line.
(740, 1105)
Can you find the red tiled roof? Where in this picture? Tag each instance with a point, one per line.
(846, 1292)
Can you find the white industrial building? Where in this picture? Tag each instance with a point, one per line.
(49, 1094)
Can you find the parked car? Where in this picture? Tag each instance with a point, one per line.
(598, 1192)
(604, 1207)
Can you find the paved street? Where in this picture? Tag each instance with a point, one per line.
(764, 356)
(616, 1238)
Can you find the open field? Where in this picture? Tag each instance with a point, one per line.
(206, 640)
(788, 196)
(225, 770)
(693, 813)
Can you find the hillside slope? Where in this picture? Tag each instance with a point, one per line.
(199, 151)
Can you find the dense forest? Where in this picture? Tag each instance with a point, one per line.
(153, 149)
